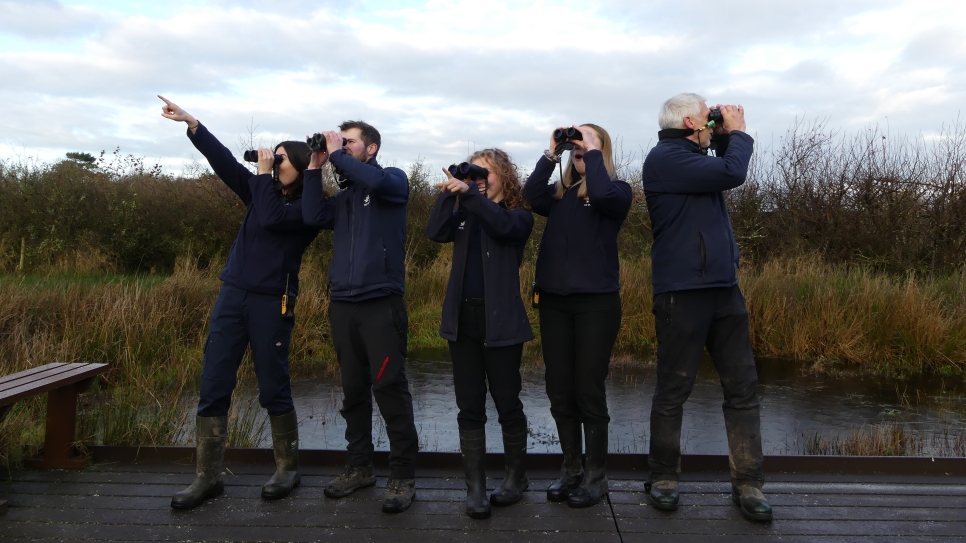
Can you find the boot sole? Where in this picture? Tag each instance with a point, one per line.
(757, 517)
(213, 493)
(583, 505)
(664, 506)
(501, 502)
(343, 494)
(478, 515)
(395, 510)
(278, 496)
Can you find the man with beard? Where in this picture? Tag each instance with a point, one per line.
(366, 309)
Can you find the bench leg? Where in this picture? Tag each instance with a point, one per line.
(61, 418)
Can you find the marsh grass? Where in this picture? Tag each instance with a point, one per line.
(888, 439)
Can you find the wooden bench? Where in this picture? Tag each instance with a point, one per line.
(62, 382)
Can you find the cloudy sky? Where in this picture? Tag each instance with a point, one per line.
(441, 78)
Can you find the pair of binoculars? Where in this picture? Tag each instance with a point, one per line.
(715, 117)
(252, 156)
(565, 138)
(466, 170)
(317, 142)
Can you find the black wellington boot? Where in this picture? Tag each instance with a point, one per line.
(285, 442)
(571, 471)
(594, 485)
(515, 453)
(473, 449)
(212, 432)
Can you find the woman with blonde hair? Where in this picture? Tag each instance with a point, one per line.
(578, 287)
(484, 216)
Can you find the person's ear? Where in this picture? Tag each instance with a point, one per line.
(688, 123)
(371, 150)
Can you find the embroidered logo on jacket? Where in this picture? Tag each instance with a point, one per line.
(586, 201)
(462, 224)
(365, 201)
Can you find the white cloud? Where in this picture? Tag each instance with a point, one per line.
(440, 78)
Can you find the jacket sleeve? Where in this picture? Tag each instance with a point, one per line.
(389, 184)
(506, 225)
(612, 197)
(442, 221)
(536, 191)
(272, 214)
(317, 210)
(222, 162)
(685, 172)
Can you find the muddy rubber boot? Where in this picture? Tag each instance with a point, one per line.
(352, 478)
(473, 449)
(571, 471)
(212, 432)
(664, 495)
(594, 485)
(516, 482)
(752, 502)
(285, 442)
(400, 493)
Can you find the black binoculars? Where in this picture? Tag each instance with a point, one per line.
(465, 170)
(317, 142)
(561, 135)
(715, 117)
(252, 156)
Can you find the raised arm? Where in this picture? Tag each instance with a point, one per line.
(317, 211)
(222, 162)
(536, 191)
(443, 219)
(681, 171)
(612, 197)
(390, 184)
(507, 225)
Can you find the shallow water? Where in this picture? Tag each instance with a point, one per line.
(794, 404)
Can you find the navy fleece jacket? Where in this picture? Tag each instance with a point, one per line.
(267, 253)
(503, 235)
(578, 252)
(368, 218)
(694, 245)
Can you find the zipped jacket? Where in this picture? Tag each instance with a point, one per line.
(694, 245)
(267, 253)
(578, 252)
(503, 235)
(368, 220)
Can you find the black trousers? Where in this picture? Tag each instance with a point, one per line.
(370, 340)
(687, 321)
(578, 332)
(474, 366)
(241, 318)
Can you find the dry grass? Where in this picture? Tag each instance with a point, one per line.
(151, 330)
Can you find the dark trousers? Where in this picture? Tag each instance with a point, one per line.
(241, 318)
(475, 365)
(578, 332)
(370, 340)
(687, 321)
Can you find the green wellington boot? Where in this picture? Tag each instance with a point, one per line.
(516, 482)
(473, 450)
(664, 495)
(212, 432)
(594, 485)
(285, 442)
(752, 502)
(572, 470)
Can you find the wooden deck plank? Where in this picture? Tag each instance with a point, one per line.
(792, 527)
(20, 530)
(41, 375)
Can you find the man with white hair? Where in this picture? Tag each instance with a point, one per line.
(697, 302)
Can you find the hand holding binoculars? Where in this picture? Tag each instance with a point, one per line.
(252, 156)
(564, 137)
(317, 142)
(466, 170)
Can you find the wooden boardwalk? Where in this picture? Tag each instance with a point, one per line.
(129, 502)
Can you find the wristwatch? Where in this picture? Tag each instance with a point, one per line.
(550, 156)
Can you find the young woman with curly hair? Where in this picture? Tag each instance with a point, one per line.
(483, 316)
